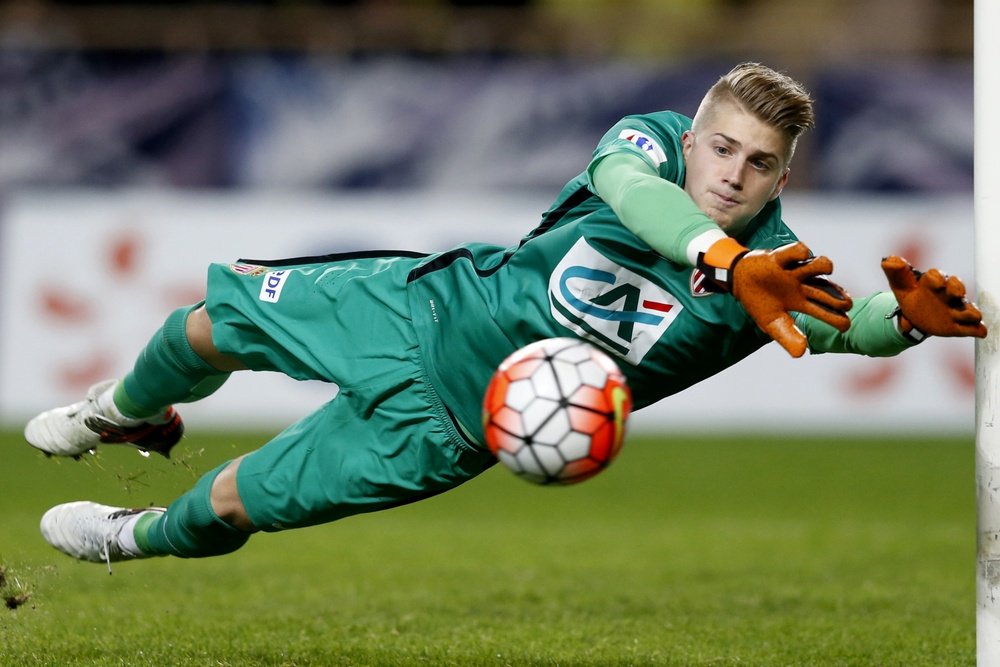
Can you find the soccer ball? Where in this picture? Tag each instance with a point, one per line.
(555, 411)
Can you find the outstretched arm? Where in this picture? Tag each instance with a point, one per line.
(654, 209)
(873, 332)
(886, 323)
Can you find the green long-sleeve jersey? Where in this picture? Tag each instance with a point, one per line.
(582, 272)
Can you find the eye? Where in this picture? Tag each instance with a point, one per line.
(722, 150)
(760, 165)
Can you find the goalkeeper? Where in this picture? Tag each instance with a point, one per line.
(669, 251)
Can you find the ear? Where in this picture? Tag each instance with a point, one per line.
(687, 143)
(780, 185)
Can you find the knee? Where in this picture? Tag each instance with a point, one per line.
(226, 501)
(198, 329)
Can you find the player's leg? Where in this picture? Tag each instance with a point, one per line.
(384, 441)
(226, 501)
(178, 365)
(199, 334)
(385, 444)
(192, 526)
(251, 329)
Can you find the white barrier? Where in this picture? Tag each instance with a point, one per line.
(90, 275)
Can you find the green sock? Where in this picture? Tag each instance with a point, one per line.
(167, 371)
(140, 530)
(189, 528)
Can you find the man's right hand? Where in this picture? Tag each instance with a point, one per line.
(771, 284)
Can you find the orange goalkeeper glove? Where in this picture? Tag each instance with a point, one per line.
(771, 284)
(931, 303)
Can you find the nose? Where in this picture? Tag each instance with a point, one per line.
(734, 176)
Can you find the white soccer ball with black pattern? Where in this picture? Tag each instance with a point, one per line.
(555, 411)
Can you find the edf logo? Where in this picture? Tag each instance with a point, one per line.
(608, 304)
(274, 281)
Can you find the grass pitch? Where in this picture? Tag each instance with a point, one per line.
(687, 551)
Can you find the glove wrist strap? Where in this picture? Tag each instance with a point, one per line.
(718, 262)
(905, 327)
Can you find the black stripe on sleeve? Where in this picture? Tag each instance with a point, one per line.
(548, 221)
(333, 257)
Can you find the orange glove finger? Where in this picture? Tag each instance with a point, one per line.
(899, 273)
(828, 302)
(790, 254)
(812, 268)
(977, 330)
(955, 288)
(967, 314)
(823, 313)
(833, 306)
(835, 296)
(783, 330)
(934, 280)
(822, 298)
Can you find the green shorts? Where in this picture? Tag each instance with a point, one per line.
(386, 439)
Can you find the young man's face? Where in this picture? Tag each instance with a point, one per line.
(735, 164)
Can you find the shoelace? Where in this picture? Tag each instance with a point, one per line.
(107, 552)
(109, 536)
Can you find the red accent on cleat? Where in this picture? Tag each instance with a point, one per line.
(147, 437)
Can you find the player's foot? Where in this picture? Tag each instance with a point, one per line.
(74, 429)
(92, 532)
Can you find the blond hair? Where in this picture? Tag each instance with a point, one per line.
(774, 98)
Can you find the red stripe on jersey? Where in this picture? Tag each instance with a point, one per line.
(656, 305)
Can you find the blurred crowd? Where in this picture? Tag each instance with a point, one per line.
(459, 93)
(806, 31)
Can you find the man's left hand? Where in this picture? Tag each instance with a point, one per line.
(931, 302)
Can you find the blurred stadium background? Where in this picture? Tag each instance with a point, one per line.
(139, 141)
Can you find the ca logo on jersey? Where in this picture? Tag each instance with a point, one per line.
(608, 304)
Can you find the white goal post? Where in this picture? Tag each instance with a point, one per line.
(987, 244)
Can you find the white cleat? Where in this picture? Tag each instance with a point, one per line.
(90, 531)
(63, 431)
(80, 427)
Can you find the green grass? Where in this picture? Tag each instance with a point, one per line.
(688, 551)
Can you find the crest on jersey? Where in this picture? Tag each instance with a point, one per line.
(608, 304)
(248, 269)
(698, 287)
(646, 143)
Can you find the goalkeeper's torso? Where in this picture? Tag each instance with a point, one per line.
(579, 273)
